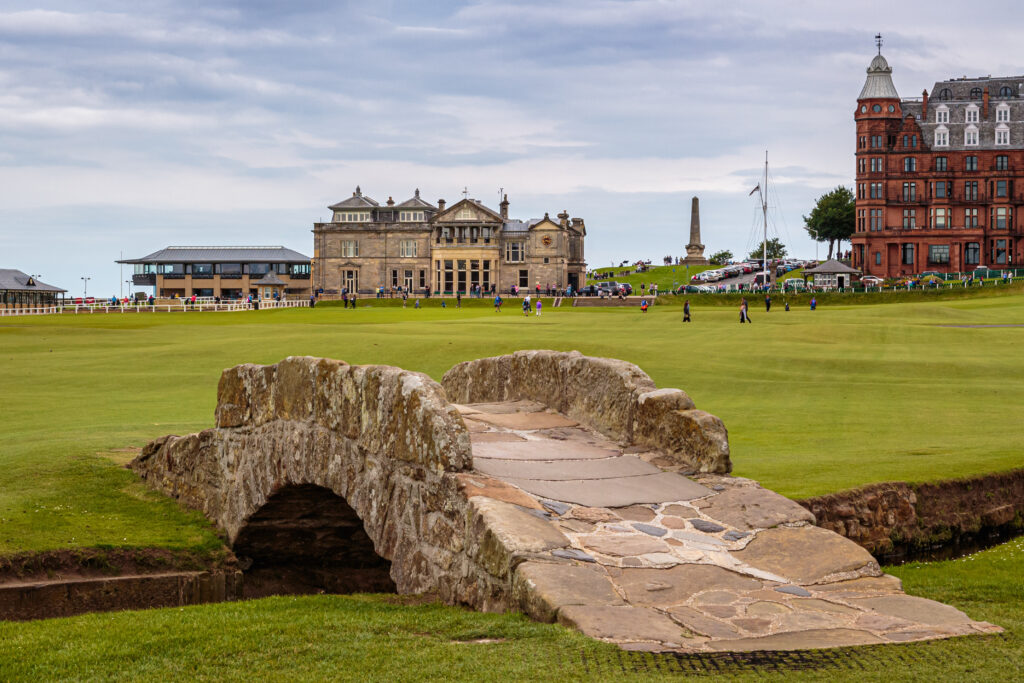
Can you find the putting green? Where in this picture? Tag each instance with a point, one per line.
(814, 402)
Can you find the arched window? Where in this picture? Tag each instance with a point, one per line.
(945, 94)
(975, 93)
(1006, 91)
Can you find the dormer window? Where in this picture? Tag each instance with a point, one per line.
(410, 216)
(972, 114)
(351, 216)
(1006, 91)
(945, 94)
(971, 136)
(975, 93)
(942, 114)
(942, 136)
(1003, 114)
(1002, 135)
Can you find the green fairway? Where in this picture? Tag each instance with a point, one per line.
(372, 638)
(814, 402)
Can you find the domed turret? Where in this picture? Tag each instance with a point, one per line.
(879, 82)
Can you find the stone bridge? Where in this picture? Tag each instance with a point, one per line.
(568, 487)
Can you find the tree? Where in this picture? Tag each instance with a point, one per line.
(720, 257)
(833, 218)
(776, 249)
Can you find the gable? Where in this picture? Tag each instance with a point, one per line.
(467, 211)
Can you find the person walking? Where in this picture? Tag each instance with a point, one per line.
(744, 315)
(526, 306)
(497, 304)
(538, 306)
(458, 299)
(767, 303)
(686, 311)
(814, 303)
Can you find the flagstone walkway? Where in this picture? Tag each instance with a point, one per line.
(659, 561)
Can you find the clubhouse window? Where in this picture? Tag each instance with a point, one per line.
(524, 278)
(515, 252)
(407, 249)
(938, 253)
(410, 216)
(349, 248)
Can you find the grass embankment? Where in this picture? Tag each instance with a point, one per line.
(814, 402)
(666, 277)
(372, 638)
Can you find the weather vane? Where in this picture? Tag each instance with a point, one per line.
(878, 42)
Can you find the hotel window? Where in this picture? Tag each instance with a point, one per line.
(861, 191)
(941, 137)
(939, 189)
(876, 140)
(940, 218)
(971, 136)
(515, 252)
(407, 248)
(862, 141)
(908, 254)
(938, 253)
(876, 164)
(1000, 188)
(878, 258)
(940, 163)
(876, 190)
(972, 253)
(909, 192)
(971, 191)
(860, 220)
(410, 216)
(942, 115)
(909, 164)
(862, 165)
(970, 218)
(1002, 163)
(876, 220)
(1003, 114)
(971, 163)
(1002, 135)
(349, 248)
(1001, 217)
(972, 114)
(999, 252)
(909, 219)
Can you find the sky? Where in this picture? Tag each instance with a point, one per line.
(126, 127)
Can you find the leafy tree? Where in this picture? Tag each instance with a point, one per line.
(776, 249)
(720, 257)
(833, 218)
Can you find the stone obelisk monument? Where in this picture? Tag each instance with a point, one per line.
(695, 250)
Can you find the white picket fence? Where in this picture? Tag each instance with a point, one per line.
(181, 306)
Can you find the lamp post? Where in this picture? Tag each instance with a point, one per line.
(85, 286)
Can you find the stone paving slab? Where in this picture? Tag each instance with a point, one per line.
(615, 492)
(657, 561)
(538, 449)
(523, 421)
(564, 470)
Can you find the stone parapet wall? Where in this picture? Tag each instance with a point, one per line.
(894, 520)
(612, 396)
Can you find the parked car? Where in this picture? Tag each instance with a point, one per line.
(689, 289)
(871, 281)
(793, 283)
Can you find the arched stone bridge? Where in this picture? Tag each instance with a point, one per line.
(565, 486)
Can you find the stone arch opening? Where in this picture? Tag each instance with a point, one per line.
(307, 539)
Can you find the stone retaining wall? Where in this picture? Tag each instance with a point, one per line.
(612, 396)
(895, 520)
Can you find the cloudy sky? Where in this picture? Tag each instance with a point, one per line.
(129, 126)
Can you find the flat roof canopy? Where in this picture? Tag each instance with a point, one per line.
(222, 255)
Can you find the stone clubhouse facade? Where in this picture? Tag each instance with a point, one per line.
(463, 248)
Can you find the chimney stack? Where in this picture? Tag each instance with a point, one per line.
(984, 104)
(504, 208)
(924, 105)
(440, 205)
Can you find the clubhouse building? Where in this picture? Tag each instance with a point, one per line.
(466, 247)
(940, 178)
(226, 272)
(20, 290)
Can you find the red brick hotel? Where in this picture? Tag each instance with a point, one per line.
(939, 177)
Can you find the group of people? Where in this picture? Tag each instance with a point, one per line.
(744, 308)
